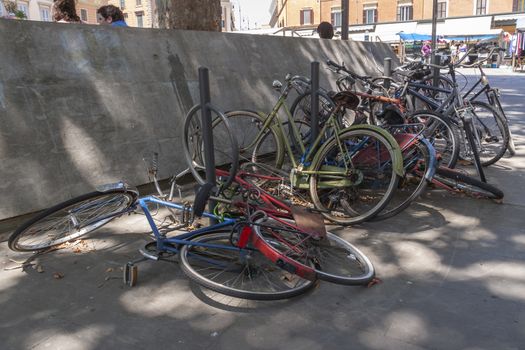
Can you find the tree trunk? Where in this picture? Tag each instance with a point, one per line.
(189, 14)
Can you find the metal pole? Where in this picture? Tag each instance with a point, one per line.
(344, 19)
(387, 71)
(314, 100)
(434, 40)
(207, 132)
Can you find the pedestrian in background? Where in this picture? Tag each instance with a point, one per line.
(64, 11)
(426, 50)
(453, 51)
(325, 30)
(462, 50)
(111, 15)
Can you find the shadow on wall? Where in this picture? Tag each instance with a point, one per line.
(83, 105)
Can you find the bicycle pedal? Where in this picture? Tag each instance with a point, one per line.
(130, 274)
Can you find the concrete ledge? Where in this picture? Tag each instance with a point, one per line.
(80, 105)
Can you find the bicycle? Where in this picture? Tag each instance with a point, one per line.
(491, 134)
(346, 187)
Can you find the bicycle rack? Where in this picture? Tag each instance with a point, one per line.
(207, 132)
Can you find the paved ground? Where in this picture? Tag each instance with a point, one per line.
(453, 273)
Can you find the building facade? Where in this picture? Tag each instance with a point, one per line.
(87, 10)
(227, 16)
(34, 10)
(294, 13)
(41, 10)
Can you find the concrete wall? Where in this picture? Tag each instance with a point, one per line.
(80, 105)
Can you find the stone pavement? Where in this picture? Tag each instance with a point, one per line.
(452, 271)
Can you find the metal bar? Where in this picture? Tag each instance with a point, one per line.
(387, 71)
(314, 100)
(344, 19)
(207, 132)
(434, 41)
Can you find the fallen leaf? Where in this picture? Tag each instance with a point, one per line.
(109, 270)
(39, 269)
(58, 275)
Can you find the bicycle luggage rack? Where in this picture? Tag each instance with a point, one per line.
(130, 269)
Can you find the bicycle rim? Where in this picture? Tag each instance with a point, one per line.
(416, 161)
(241, 273)
(335, 259)
(70, 220)
(354, 178)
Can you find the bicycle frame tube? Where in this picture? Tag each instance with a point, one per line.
(180, 239)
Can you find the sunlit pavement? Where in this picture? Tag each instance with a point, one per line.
(452, 271)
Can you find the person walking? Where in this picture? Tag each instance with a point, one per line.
(453, 51)
(111, 15)
(426, 50)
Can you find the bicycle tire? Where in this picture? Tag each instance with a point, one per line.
(440, 130)
(336, 260)
(493, 98)
(226, 149)
(301, 114)
(417, 163)
(494, 136)
(74, 225)
(467, 184)
(364, 150)
(269, 150)
(212, 267)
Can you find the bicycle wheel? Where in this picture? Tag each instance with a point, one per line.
(417, 161)
(491, 134)
(247, 126)
(242, 273)
(225, 147)
(466, 184)
(353, 178)
(445, 86)
(302, 115)
(335, 259)
(493, 98)
(440, 131)
(71, 219)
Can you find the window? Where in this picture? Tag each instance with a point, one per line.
(24, 8)
(307, 16)
(44, 14)
(84, 15)
(442, 10)
(404, 13)
(138, 3)
(337, 17)
(481, 7)
(122, 4)
(518, 5)
(140, 19)
(370, 14)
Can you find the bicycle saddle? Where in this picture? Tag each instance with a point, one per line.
(346, 98)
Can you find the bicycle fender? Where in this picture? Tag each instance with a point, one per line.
(433, 159)
(398, 156)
